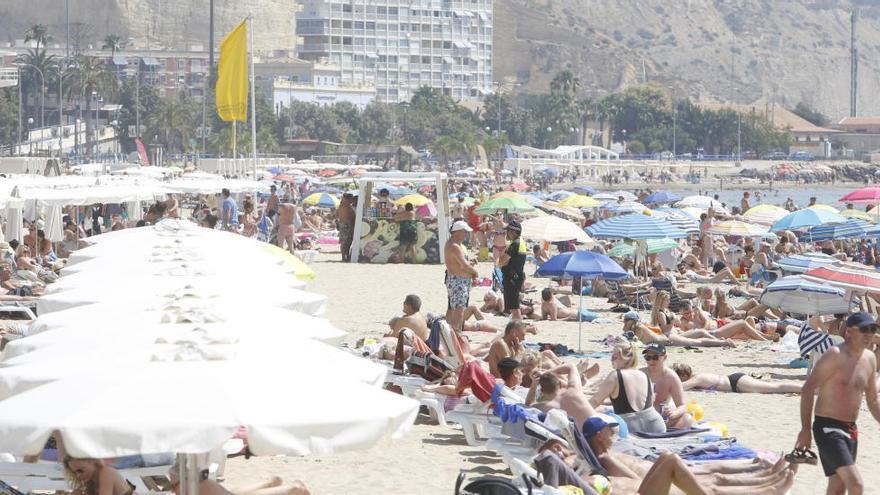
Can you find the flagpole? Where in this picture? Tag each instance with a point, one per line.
(253, 97)
(234, 125)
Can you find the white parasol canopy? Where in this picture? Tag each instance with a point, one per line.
(554, 229)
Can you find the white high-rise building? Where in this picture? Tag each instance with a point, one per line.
(402, 45)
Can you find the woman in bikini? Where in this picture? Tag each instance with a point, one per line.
(92, 477)
(648, 334)
(734, 382)
(661, 316)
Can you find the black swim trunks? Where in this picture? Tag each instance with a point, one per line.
(734, 379)
(838, 443)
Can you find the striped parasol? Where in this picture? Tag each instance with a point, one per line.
(662, 197)
(635, 227)
(615, 195)
(623, 249)
(846, 275)
(618, 208)
(737, 228)
(847, 230)
(703, 203)
(511, 205)
(800, 263)
(794, 294)
(679, 218)
(765, 214)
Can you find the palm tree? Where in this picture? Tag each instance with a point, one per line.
(172, 122)
(445, 146)
(87, 76)
(113, 43)
(34, 63)
(38, 33)
(586, 112)
(565, 82)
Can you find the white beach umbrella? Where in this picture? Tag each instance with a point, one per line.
(76, 324)
(193, 407)
(136, 296)
(120, 351)
(54, 229)
(554, 229)
(14, 223)
(703, 203)
(135, 211)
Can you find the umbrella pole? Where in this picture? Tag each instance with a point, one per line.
(188, 474)
(580, 311)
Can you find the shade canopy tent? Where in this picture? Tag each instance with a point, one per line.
(368, 182)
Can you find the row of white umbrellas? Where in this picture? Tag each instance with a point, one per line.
(170, 338)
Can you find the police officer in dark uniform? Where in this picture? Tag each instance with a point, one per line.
(512, 263)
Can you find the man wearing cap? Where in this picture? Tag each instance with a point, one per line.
(840, 377)
(459, 275)
(512, 262)
(667, 386)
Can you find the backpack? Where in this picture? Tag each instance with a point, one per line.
(490, 485)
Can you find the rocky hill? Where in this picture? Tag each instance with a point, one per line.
(787, 50)
(711, 50)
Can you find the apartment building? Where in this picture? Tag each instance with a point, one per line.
(399, 46)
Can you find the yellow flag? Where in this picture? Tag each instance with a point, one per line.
(232, 76)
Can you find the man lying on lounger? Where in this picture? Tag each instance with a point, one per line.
(629, 474)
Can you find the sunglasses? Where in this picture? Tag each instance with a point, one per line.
(868, 329)
(652, 357)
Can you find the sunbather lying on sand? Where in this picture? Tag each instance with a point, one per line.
(631, 323)
(272, 486)
(734, 382)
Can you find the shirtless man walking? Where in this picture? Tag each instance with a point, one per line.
(841, 377)
(286, 215)
(459, 274)
(345, 215)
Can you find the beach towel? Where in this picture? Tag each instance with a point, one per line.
(480, 381)
(672, 433)
(811, 340)
(714, 453)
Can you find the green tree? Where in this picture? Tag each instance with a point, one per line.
(8, 117)
(89, 75)
(810, 114)
(38, 33)
(173, 125)
(35, 62)
(131, 97)
(113, 43)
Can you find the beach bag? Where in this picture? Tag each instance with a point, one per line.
(427, 365)
(491, 485)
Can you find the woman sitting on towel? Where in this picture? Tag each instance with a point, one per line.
(92, 477)
(630, 392)
(735, 382)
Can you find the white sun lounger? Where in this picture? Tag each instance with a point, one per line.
(49, 477)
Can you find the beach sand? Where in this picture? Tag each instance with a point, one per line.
(427, 460)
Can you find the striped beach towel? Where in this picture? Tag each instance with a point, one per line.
(811, 340)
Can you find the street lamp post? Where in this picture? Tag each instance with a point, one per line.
(738, 139)
(624, 140)
(674, 113)
(18, 141)
(547, 139)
